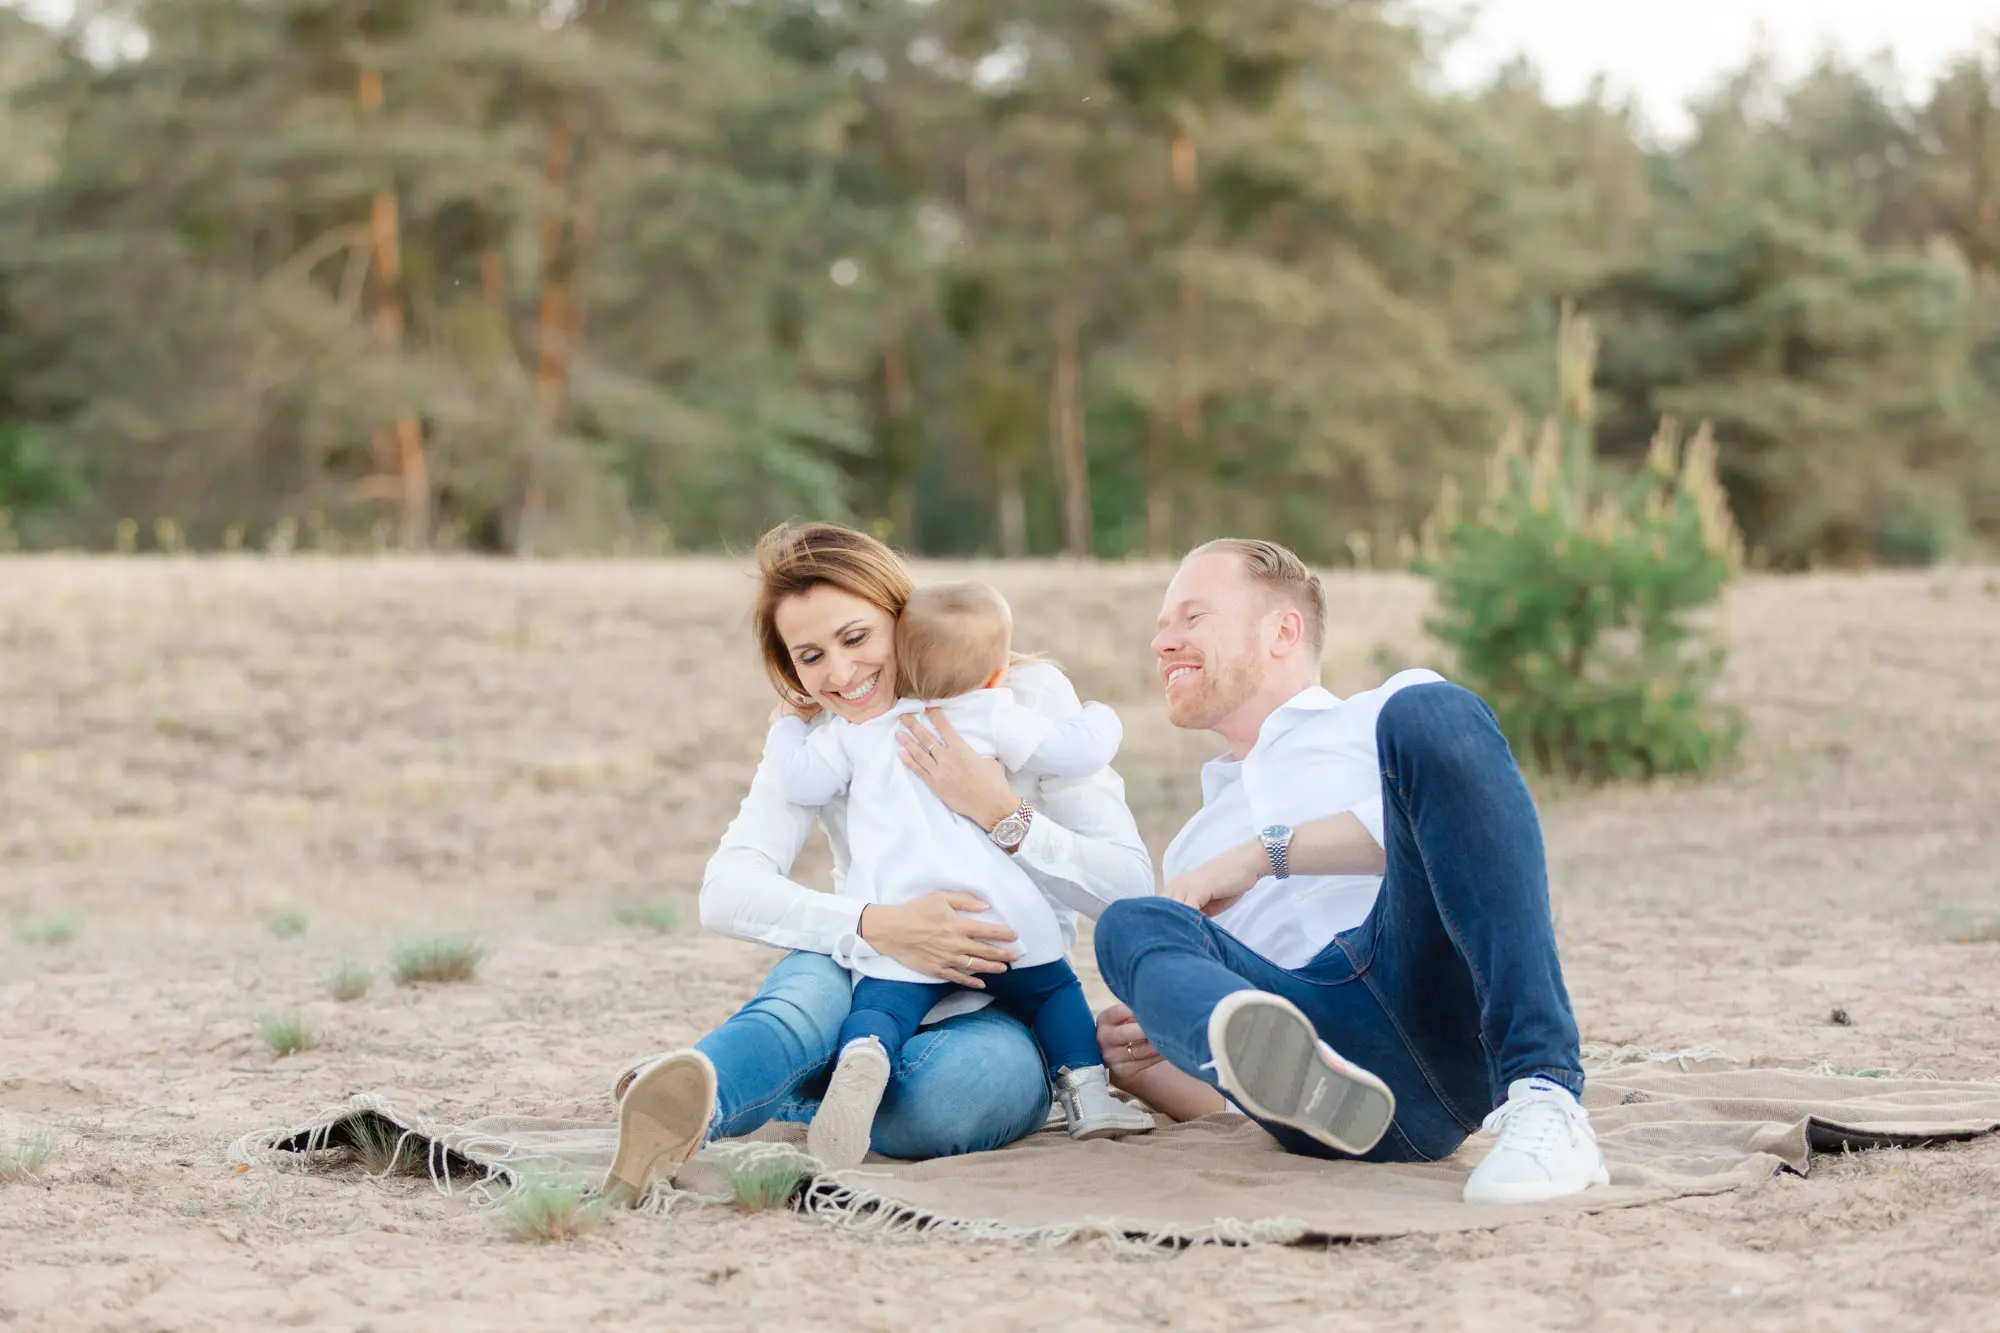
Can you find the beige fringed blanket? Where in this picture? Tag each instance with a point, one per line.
(1665, 1134)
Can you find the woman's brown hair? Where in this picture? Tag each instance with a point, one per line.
(796, 558)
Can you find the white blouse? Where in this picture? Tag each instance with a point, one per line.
(1083, 850)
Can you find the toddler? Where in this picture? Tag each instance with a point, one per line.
(953, 644)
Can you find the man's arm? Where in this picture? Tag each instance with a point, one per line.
(1336, 845)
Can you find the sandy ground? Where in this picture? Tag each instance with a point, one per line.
(188, 747)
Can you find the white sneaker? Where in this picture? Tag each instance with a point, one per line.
(1092, 1112)
(1547, 1149)
(1268, 1058)
(664, 1111)
(838, 1134)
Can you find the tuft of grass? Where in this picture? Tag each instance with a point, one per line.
(549, 1208)
(444, 958)
(1971, 927)
(286, 922)
(381, 1149)
(285, 1033)
(350, 981)
(24, 1158)
(765, 1176)
(664, 918)
(59, 928)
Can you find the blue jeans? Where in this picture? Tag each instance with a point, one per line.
(1047, 997)
(1451, 988)
(969, 1084)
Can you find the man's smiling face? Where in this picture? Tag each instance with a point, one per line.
(1210, 648)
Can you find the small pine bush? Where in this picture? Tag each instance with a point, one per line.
(1569, 606)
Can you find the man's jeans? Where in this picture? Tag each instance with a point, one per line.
(968, 1084)
(1451, 988)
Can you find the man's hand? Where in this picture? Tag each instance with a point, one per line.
(1215, 885)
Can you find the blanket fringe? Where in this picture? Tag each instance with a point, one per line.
(846, 1204)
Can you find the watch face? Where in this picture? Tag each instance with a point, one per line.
(1274, 833)
(1010, 831)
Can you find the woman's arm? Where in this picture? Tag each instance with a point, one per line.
(746, 894)
(1083, 847)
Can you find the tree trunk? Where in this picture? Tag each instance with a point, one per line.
(398, 447)
(1066, 439)
(1187, 397)
(896, 403)
(1159, 490)
(1013, 510)
(553, 321)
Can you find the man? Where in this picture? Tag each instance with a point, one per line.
(1354, 941)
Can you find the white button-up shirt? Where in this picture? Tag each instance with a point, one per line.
(1314, 757)
(1082, 850)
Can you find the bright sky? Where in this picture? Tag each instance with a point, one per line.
(1663, 51)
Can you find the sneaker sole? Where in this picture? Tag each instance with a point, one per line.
(839, 1133)
(1111, 1129)
(1268, 1058)
(1536, 1191)
(663, 1116)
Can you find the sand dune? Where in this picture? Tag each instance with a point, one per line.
(188, 748)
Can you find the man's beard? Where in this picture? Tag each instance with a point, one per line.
(1220, 688)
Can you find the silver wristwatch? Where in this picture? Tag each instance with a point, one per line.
(1277, 840)
(1010, 832)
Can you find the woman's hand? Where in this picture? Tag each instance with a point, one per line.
(1140, 1070)
(967, 781)
(935, 935)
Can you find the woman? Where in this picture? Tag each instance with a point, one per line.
(972, 1079)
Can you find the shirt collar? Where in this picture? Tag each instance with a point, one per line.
(1222, 770)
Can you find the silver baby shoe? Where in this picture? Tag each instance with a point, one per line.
(1092, 1112)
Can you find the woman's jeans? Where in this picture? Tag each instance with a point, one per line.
(1451, 988)
(969, 1084)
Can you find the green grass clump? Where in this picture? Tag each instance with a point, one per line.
(24, 1158)
(765, 1176)
(286, 922)
(661, 917)
(444, 958)
(549, 1208)
(1972, 928)
(381, 1149)
(350, 981)
(60, 928)
(285, 1033)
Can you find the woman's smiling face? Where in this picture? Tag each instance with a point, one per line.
(844, 649)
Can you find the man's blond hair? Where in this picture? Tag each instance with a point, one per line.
(1277, 569)
(951, 639)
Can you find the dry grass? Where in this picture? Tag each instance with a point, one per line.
(286, 923)
(25, 1156)
(546, 1209)
(380, 1149)
(487, 744)
(663, 918)
(765, 1176)
(286, 1033)
(350, 981)
(58, 928)
(441, 959)
(1971, 927)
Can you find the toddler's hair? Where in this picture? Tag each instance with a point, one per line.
(951, 639)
